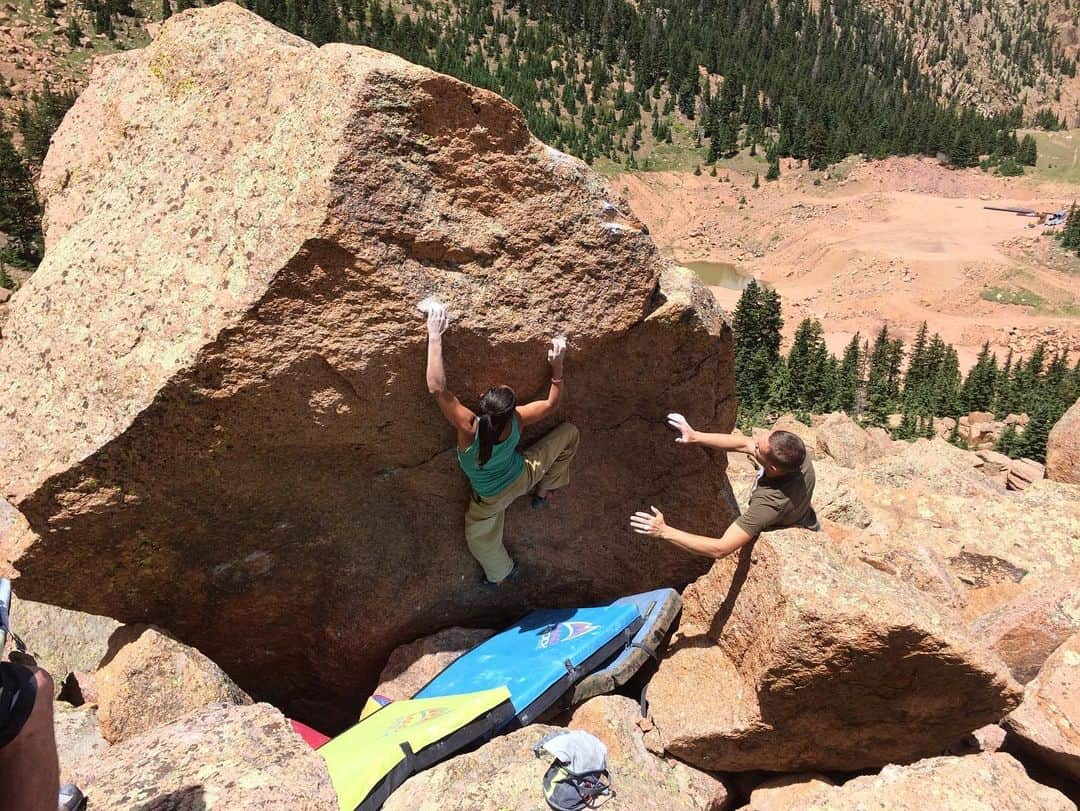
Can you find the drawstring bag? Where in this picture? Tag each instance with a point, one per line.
(578, 778)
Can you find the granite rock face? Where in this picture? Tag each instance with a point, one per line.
(1047, 724)
(792, 657)
(219, 757)
(1063, 448)
(149, 679)
(505, 774)
(212, 391)
(994, 782)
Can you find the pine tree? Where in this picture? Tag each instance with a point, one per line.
(977, 393)
(1070, 234)
(20, 212)
(166, 10)
(757, 181)
(846, 397)
(757, 323)
(1028, 153)
(964, 152)
(74, 32)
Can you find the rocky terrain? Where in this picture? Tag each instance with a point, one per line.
(230, 500)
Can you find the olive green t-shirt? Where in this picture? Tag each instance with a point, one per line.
(781, 501)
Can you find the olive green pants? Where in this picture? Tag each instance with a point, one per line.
(547, 463)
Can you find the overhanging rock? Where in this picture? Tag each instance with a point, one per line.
(214, 414)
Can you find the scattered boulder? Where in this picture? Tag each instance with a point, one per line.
(640, 773)
(836, 498)
(79, 688)
(990, 738)
(78, 736)
(217, 757)
(1023, 473)
(840, 438)
(1063, 448)
(808, 435)
(244, 422)
(1047, 724)
(504, 773)
(1026, 629)
(412, 666)
(788, 791)
(61, 640)
(932, 494)
(792, 657)
(993, 782)
(995, 465)
(149, 678)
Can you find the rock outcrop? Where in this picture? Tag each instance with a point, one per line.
(505, 774)
(1063, 448)
(844, 441)
(78, 736)
(995, 782)
(220, 757)
(412, 666)
(62, 641)
(212, 391)
(149, 679)
(790, 657)
(1027, 628)
(1046, 725)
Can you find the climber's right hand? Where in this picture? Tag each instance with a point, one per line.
(437, 321)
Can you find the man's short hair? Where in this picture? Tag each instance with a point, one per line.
(786, 451)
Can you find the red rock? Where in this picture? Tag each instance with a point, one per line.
(993, 782)
(789, 791)
(1047, 724)
(841, 439)
(149, 679)
(1063, 448)
(1022, 472)
(412, 666)
(785, 647)
(218, 757)
(1025, 630)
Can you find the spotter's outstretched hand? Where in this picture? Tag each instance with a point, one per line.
(649, 524)
(679, 423)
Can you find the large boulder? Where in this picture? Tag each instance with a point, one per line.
(993, 782)
(78, 736)
(931, 494)
(505, 774)
(1023, 472)
(219, 757)
(1046, 726)
(792, 657)
(149, 679)
(212, 391)
(1063, 448)
(840, 438)
(645, 780)
(412, 666)
(60, 640)
(1027, 628)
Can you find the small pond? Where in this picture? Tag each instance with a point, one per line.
(719, 274)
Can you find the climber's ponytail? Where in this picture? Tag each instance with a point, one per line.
(496, 407)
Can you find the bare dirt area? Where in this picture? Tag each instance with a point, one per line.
(897, 241)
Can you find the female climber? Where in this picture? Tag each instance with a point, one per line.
(487, 449)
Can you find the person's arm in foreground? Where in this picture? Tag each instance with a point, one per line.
(456, 414)
(540, 409)
(721, 442)
(734, 538)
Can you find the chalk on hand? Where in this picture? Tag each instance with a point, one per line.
(433, 306)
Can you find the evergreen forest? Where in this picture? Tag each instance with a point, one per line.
(878, 377)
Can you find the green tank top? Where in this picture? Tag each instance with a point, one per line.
(501, 470)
